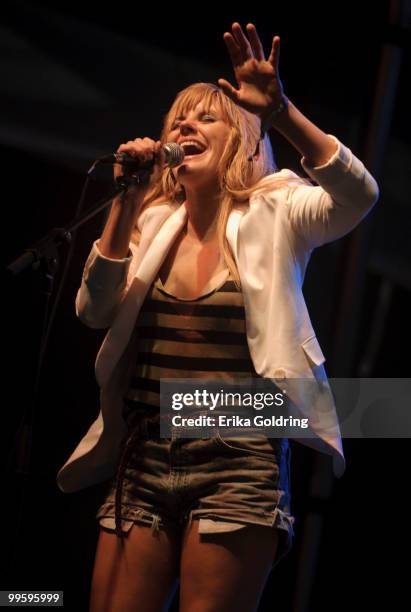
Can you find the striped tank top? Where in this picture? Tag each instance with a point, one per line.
(203, 337)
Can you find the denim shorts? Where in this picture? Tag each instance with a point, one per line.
(226, 483)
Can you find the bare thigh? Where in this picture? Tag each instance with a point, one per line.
(135, 573)
(225, 571)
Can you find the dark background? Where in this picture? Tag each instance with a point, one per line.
(78, 80)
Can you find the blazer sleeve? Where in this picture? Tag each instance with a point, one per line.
(104, 284)
(345, 194)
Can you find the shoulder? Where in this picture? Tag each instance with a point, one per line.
(284, 174)
(275, 188)
(283, 179)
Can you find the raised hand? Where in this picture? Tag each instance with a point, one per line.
(260, 90)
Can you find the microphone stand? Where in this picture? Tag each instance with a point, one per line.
(44, 256)
(45, 250)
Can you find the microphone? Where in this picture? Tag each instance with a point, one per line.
(173, 152)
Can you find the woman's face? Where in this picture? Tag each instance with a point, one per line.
(203, 135)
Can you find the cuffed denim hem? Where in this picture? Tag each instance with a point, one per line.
(210, 522)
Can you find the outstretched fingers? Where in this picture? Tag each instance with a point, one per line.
(274, 58)
(233, 49)
(242, 41)
(255, 41)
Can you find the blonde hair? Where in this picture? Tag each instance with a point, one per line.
(239, 178)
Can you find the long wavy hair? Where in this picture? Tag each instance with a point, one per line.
(239, 177)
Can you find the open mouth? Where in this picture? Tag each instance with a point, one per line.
(192, 149)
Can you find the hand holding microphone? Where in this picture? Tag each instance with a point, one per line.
(144, 154)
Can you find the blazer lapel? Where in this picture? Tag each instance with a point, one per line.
(232, 228)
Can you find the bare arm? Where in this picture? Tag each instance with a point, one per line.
(115, 239)
(313, 144)
(261, 92)
(346, 190)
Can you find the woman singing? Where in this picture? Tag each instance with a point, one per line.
(198, 274)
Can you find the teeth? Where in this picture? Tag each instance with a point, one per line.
(192, 143)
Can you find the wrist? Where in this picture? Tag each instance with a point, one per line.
(270, 119)
(129, 200)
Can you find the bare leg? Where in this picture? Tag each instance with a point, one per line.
(226, 571)
(138, 572)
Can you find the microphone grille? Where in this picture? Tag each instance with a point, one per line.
(174, 154)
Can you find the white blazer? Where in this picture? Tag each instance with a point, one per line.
(272, 239)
